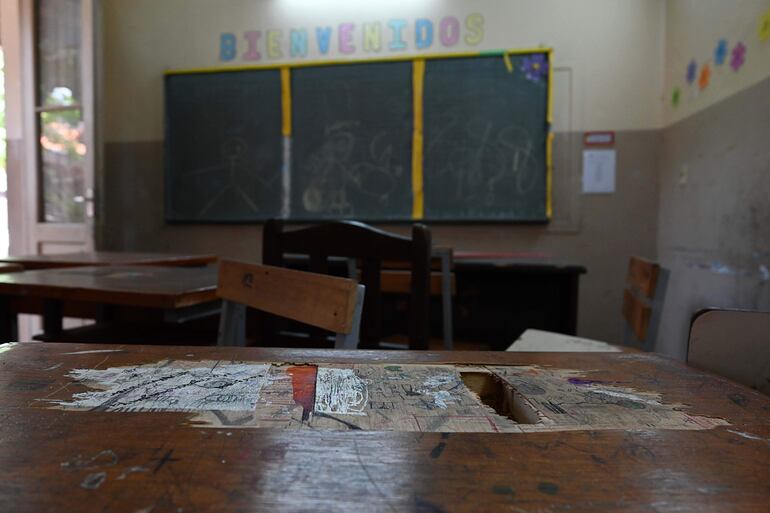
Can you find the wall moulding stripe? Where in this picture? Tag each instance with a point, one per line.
(336, 62)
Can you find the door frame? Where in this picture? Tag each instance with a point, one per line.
(78, 236)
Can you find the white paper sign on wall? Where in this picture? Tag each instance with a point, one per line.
(599, 171)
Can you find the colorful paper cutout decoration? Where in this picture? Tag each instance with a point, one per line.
(692, 70)
(739, 57)
(535, 68)
(705, 77)
(720, 52)
(676, 97)
(764, 27)
(508, 63)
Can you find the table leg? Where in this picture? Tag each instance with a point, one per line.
(53, 317)
(105, 313)
(190, 313)
(572, 304)
(9, 328)
(446, 300)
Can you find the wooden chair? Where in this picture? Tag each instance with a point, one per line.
(643, 302)
(642, 306)
(326, 302)
(732, 343)
(371, 247)
(396, 279)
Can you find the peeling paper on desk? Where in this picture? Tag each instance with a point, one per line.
(367, 397)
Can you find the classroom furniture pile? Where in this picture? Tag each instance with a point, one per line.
(155, 407)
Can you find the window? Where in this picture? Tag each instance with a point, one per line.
(59, 99)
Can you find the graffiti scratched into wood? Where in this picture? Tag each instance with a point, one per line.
(446, 398)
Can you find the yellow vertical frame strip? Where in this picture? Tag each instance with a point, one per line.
(418, 193)
(549, 176)
(286, 133)
(549, 56)
(549, 143)
(286, 101)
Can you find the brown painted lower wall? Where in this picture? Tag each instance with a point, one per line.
(715, 212)
(600, 231)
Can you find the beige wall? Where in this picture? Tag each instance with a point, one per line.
(608, 76)
(616, 65)
(715, 168)
(613, 47)
(704, 176)
(715, 225)
(693, 29)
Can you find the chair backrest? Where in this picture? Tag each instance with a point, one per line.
(732, 343)
(326, 302)
(396, 275)
(643, 297)
(370, 247)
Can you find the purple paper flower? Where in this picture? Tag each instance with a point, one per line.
(739, 57)
(720, 52)
(535, 68)
(692, 71)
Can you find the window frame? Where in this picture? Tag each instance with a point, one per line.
(40, 108)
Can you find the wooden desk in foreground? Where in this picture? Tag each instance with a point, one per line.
(108, 258)
(99, 428)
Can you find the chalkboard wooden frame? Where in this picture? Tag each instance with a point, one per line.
(286, 68)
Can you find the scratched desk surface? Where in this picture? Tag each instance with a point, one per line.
(94, 428)
(149, 286)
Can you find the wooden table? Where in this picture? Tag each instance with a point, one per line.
(395, 279)
(181, 292)
(500, 295)
(55, 457)
(108, 258)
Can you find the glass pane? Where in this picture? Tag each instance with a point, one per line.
(58, 52)
(62, 160)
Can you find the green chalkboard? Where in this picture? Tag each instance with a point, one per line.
(350, 153)
(486, 133)
(351, 146)
(223, 146)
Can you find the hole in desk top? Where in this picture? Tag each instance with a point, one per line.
(504, 399)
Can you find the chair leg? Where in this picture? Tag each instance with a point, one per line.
(53, 316)
(352, 266)
(345, 341)
(9, 331)
(350, 340)
(232, 325)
